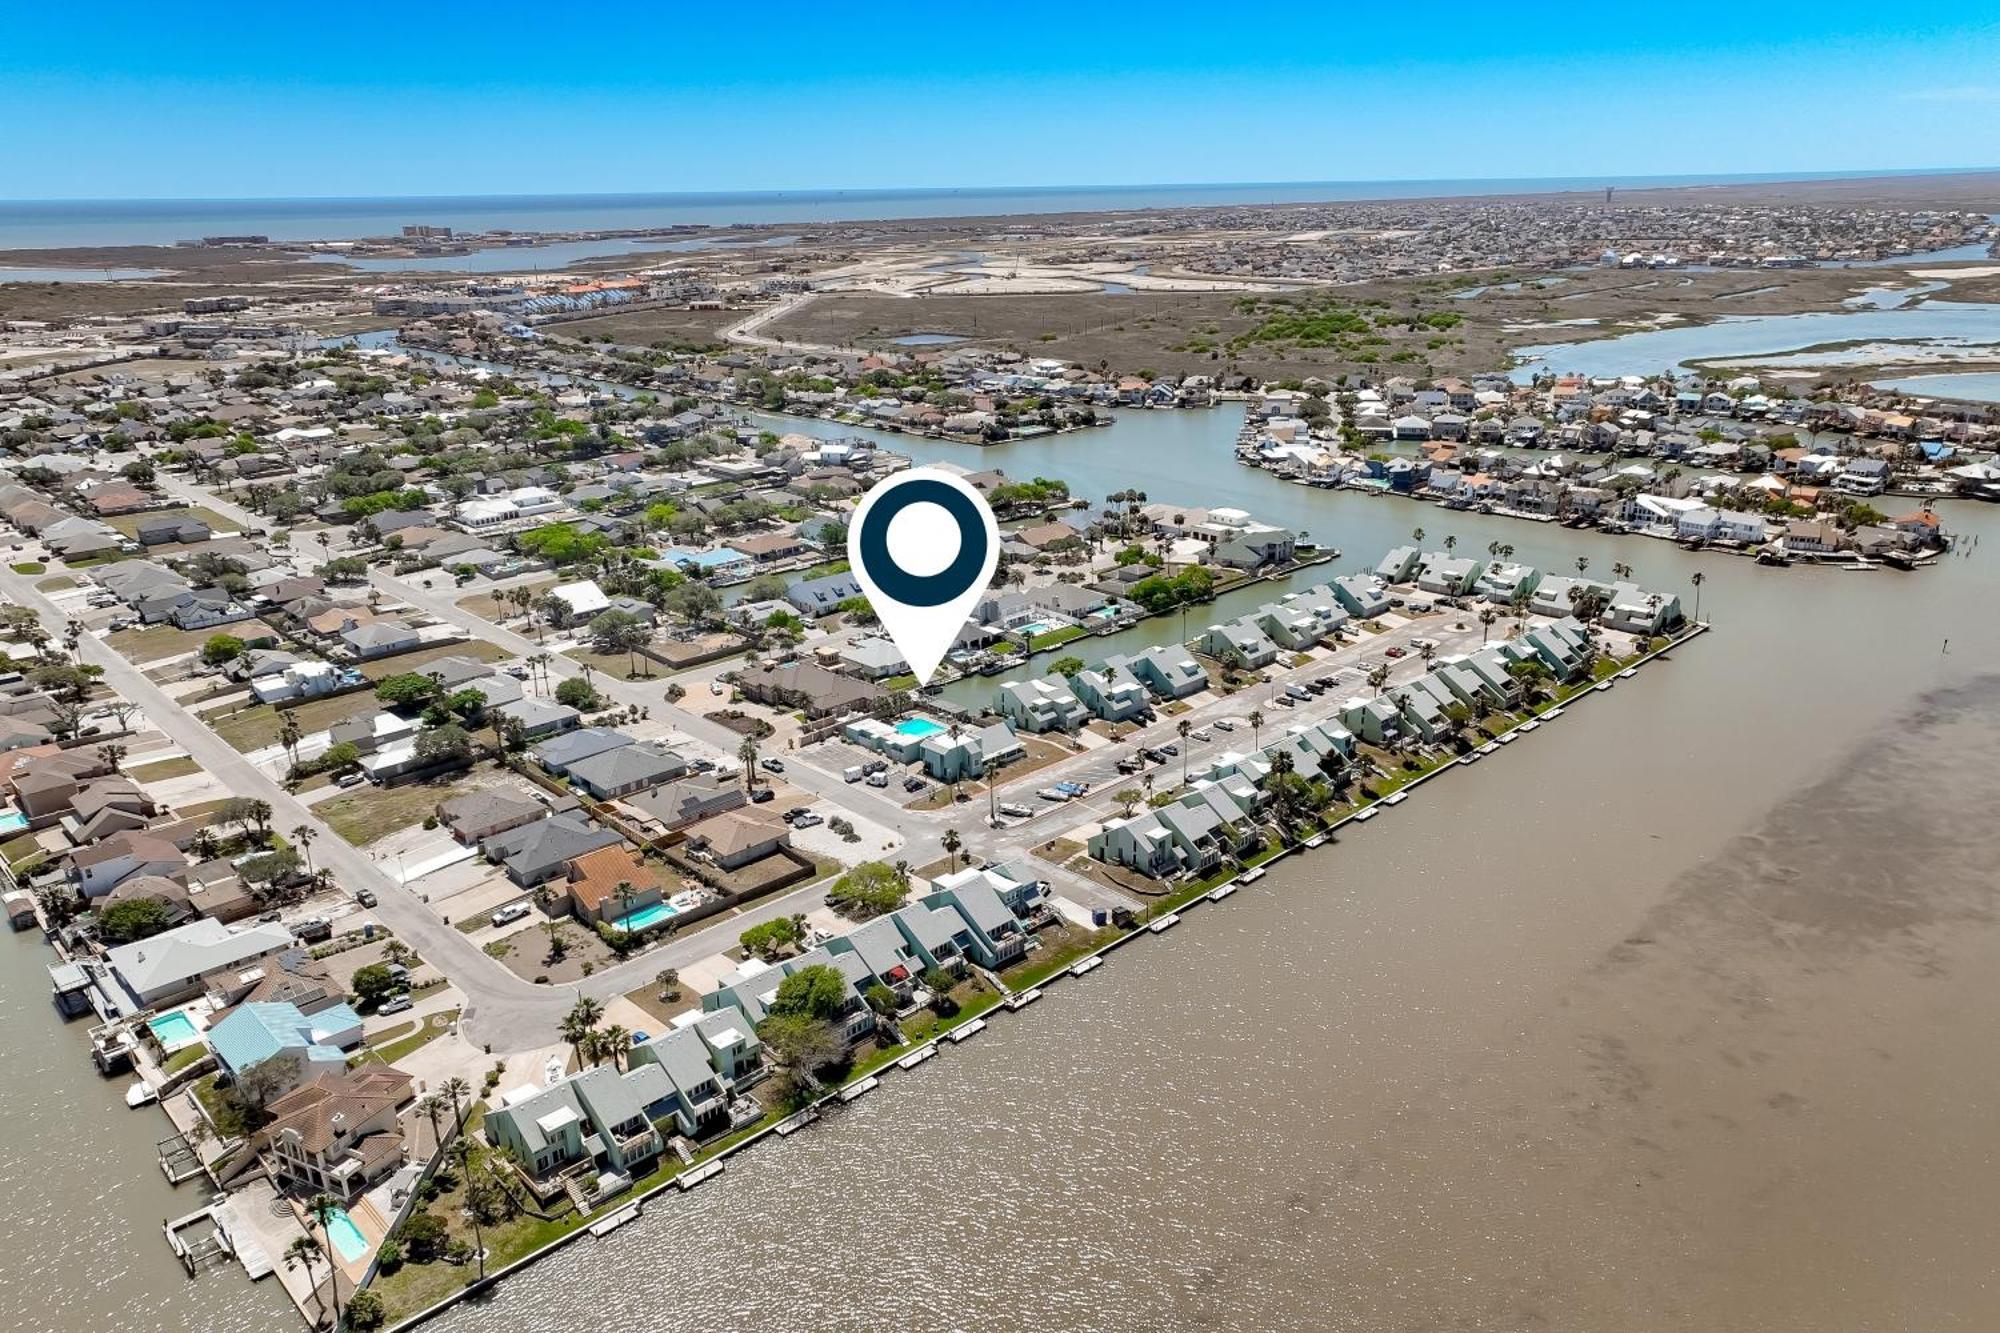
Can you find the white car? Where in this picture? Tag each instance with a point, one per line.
(1225, 724)
(1199, 733)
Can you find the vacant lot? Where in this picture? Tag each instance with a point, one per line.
(676, 328)
(258, 725)
(487, 606)
(380, 811)
(157, 641)
(403, 663)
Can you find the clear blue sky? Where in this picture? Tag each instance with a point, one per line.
(229, 100)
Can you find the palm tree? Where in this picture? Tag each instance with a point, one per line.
(303, 1252)
(456, 1090)
(1582, 563)
(1487, 615)
(1619, 569)
(1256, 718)
(747, 752)
(1417, 536)
(303, 835)
(461, 1152)
(952, 844)
(1697, 579)
(321, 1209)
(580, 1022)
(987, 771)
(1378, 676)
(1450, 542)
(616, 1044)
(1182, 729)
(1428, 653)
(289, 734)
(431, 1108)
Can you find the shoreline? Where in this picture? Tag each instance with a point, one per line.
(1161, 915)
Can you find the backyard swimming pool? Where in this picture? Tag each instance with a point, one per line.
(645, 917)
(348, 1242)
(13, 821)
(1034, 627)
(916, 728)
(174, 1031)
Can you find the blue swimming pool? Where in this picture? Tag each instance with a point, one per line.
(645, 917)
(1034, 627)
(12, 821)
(348, 1242)
(174, 1031)
(916, 728)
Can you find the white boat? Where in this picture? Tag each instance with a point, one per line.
(1221, 891)
(1165, 923)
(141, 1094)
(1022, 999)
(1252, 875)
(1470, 757)
(1086, 966)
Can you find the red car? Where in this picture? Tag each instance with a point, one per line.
(1395, 652)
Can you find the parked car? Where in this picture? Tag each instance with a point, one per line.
(715, 687)
(852, 773)
(350, 779)
(771, 765)
(1395, 652)
(761, 795)
(806, 819)
(315, 931)
(1225, 724)
(365, 897)
(878, 779)
(1013, 811)
(509, 914)
(1199, 733)
(395, 1004)
(913, 784)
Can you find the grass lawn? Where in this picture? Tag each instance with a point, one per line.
(477, 649)
(397, 1046)
(154, 641)
(486, 606)
(258, 725)
(177, 767)
(129, 523)
(57, 584)
(1055, 638)
(380, 811)
(29, 567)
(616, 665)
(1061, 946)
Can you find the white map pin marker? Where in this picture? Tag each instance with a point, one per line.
(923, 546)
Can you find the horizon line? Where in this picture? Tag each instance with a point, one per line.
(866, 191)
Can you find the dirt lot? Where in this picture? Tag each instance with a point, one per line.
(653, 328)
(376, 812)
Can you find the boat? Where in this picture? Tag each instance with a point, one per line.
(1165, 923)
(1469, 757)
(1221, 891)
(1489, 748)
(141, 1094)
(1022, 999)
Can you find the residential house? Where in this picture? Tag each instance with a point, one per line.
(1042, 704)
(339, 1133)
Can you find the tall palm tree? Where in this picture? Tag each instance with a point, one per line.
(321, 1209)
(432, 1108)
(1697, 579)
(461, 1152)
(1487, 615)
(303, 1252)
(952, 844)
(580, 1022)
(987, 771)
(1256, 718)
(1582, 563)
(303, 835)
(456, 1090)
(1378, 676)
(1417, 536)
(615, 1043)
(747, 752)
(1183, 729)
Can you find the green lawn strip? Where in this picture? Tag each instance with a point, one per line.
(1024, 976)
(1055, 638)
(177, 767)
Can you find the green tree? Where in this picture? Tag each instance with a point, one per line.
(132, 919)
(221, 648)
(374, 983)
(1067, 665)
(819, 991)
(869, 889)
(578, 694)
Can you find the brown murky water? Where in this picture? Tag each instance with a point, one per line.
(1674, 1016)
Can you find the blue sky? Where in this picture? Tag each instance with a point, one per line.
(121, 100)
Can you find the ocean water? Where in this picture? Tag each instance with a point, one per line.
(45, 223)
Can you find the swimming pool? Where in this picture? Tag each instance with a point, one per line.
(348, 1242)
(916, 728)
(174, 1031)
(13, 821)
(645, 917)
(1034, 627)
